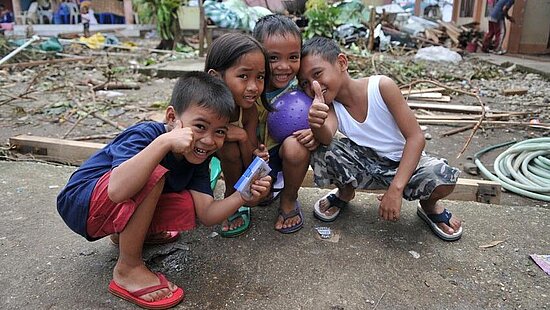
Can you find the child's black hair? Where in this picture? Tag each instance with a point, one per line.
(204, 90)
(327, 48)
(276, 24)
(226, 50)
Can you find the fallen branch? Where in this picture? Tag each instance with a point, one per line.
(457, 130)
(73, 127)
(98, 136)
(24, 94)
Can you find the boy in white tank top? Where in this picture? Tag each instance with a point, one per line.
(383, 144)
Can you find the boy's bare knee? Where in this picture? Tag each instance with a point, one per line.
(294, 152)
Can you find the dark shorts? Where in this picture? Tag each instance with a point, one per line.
(345, 162)
(174, 212)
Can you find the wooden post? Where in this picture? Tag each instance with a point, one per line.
(202, 28)
(128, 12)
(478, 7)
(516, 29)
(372, 25)
(456, 10)
(16, 4)
(417, 8)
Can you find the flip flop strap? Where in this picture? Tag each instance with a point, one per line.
(294, 212)
(237, 214)
(443, 217)
(335, 201)
(163, 284)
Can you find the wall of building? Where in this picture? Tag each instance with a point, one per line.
(536, 25)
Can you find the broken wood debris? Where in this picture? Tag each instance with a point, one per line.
(515, 91)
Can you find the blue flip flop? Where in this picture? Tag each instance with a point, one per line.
(296, 211)
(433, 219)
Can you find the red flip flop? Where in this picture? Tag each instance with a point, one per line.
(160, 238)
(133, 297)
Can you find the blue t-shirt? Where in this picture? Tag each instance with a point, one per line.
(497, 13)
(6, 18)
(74, 200)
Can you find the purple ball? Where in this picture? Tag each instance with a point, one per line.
(290, 115)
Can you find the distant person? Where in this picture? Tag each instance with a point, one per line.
(381, 147)
(492, 42)
(6, 16)
(151, 182)
(87, 17)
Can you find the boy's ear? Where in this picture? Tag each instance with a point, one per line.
(215, 73)
(170, 116)
(342, 60)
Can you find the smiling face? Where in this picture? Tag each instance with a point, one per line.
(246, 78)
(284, 59)
(329, 75)
(209, 130)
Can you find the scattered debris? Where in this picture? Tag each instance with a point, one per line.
(414, 254)
(543, 261)
(491, 244)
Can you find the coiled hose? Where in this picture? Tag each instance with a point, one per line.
(524, 168)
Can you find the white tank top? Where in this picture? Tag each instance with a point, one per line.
(379, 131)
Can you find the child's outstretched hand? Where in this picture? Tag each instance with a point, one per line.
(262, 152)
(259, 189)
(318, 112)
(181, 138)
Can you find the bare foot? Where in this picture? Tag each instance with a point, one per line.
(236, 223)
(137, 278)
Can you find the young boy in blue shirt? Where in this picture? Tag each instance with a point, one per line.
(151, 181)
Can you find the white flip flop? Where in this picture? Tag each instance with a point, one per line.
(444, 218)
(320, 215)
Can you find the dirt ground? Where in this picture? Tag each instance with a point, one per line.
(59, 103)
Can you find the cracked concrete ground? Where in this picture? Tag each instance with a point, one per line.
(46, 266)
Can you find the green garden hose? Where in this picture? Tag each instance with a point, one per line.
(524, 168)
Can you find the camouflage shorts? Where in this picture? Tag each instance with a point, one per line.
(344, 162)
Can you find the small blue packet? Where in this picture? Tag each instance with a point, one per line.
(257, 169)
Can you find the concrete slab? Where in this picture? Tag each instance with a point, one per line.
(526, 63)
(174, 69)
(46, 266)
(54, 30)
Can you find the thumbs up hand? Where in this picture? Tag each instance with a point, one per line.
(318, 112)
(181, 138)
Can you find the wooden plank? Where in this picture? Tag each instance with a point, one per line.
(421, 91)
(446, 107)
(515, 91)
(465, 190)
(76, 152)
(485, 122)
(426, 95)
(442, 99)
(57, 150)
